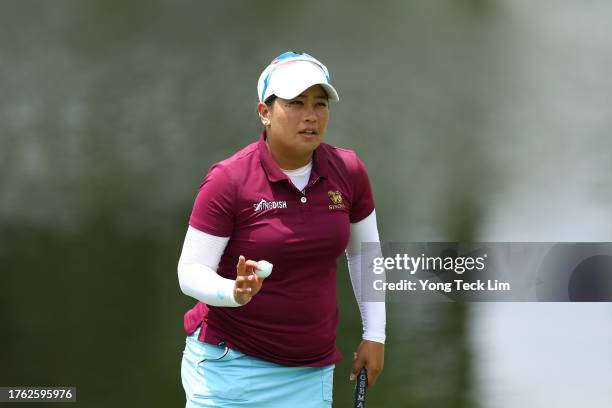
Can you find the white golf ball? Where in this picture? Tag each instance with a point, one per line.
(264, 270)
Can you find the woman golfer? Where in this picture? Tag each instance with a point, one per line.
(298, 203)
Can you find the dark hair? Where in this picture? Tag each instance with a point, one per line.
(270, 100)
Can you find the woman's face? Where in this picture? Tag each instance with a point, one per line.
(297, 126)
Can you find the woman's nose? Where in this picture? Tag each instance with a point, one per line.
(310, 114)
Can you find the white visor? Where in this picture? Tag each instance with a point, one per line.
(290, 77)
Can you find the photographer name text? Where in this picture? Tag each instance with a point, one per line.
(428, 285)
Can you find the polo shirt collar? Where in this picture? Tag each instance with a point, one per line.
(274, 172)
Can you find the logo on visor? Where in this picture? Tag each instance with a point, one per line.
(269, 205)
(336, 199)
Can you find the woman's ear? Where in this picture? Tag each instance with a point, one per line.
(264, 113)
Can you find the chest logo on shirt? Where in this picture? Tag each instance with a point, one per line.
(269, 205)
(336, 199)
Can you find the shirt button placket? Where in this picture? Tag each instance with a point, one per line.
(303, 207)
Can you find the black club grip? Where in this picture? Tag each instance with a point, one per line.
(361, 389)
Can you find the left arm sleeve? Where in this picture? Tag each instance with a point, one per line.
(362, 203)
(373, 314)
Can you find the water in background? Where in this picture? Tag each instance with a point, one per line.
(476, 119)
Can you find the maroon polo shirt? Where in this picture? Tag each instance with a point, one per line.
(247, 197)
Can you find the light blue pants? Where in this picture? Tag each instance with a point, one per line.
(216, 376)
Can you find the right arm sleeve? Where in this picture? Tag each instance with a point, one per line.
(213, 210)
(196, 269)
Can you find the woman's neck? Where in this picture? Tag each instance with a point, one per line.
(287, 162)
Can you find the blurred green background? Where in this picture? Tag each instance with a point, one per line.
(477, 120)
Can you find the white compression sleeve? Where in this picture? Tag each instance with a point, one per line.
(373, 314)
(196, 269)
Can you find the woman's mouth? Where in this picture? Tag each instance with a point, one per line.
(308, 132)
